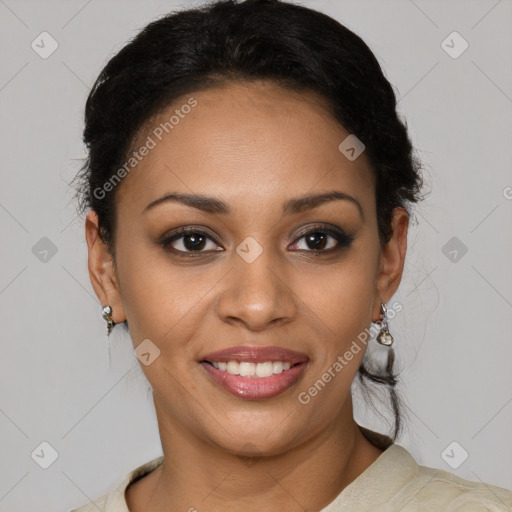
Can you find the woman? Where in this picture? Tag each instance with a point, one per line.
(249, 185)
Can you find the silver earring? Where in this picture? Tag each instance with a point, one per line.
(384, 337)
(106, 312)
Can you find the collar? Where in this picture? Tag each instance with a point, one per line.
(391, 471)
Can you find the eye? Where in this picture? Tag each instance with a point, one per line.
(188, 240)
(317, 239)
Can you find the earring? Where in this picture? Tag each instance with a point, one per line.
(106, 312)
(384, 337)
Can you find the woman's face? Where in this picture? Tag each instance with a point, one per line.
(248, 274)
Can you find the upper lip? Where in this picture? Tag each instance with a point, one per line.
(256, 354)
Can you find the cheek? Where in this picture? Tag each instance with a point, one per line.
(163, 301)
(338, 302)
(340, 295)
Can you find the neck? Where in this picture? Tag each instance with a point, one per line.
(197, 475)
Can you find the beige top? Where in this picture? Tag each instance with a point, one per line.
(393, 482)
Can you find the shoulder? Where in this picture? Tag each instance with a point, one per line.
(434, 489)
(114, 501)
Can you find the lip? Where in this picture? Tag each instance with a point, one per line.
(256, 354)
(255, 388)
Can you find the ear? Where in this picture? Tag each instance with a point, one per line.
(392, 261)
(101, 269)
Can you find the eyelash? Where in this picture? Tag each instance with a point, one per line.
(343, 240)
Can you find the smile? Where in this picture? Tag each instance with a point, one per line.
(248, 369)
(255, 373)
(254, 387)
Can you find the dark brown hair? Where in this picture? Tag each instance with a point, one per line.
(223, 41)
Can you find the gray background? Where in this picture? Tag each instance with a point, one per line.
(453, 336)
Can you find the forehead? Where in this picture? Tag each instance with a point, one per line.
(248, 143)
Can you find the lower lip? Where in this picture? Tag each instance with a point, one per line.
(255, 388)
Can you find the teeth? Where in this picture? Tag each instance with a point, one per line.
(233, 367)
(246, 369)
(264, 369)
(277, 367)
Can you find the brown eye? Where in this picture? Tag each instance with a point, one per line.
(322, 239)
(189, 241)
(317, 240)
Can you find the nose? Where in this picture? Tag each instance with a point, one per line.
(258, 294)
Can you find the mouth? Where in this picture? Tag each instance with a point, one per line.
(250, 369)
(255, 372)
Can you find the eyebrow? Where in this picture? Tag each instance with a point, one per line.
(213, 205)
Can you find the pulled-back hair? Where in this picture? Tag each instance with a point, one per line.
(225, 41)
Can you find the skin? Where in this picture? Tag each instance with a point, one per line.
(253, 145)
